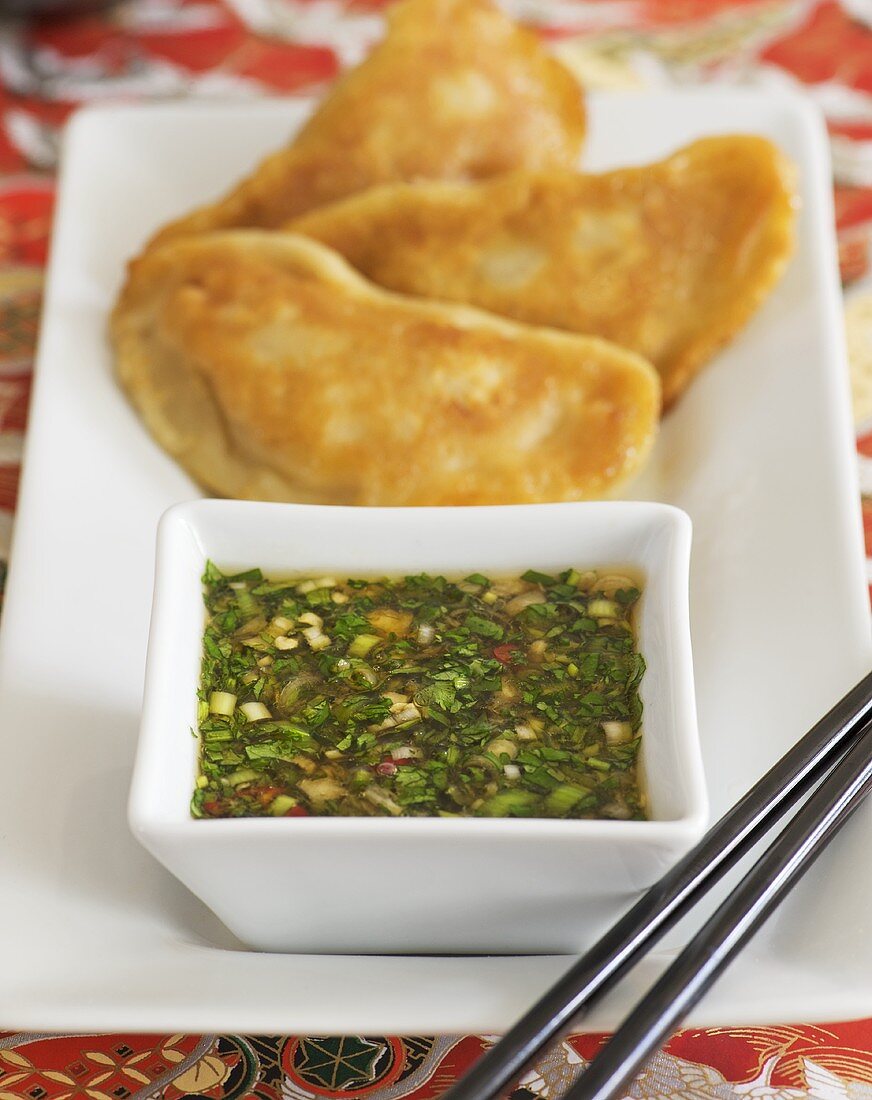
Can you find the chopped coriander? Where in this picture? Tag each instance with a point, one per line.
(533, 577)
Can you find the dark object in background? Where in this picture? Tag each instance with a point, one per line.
(47, 9)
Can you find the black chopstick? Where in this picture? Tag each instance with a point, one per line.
(731, 926)
(670, 898)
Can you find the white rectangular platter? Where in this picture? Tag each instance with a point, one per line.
(96, 935)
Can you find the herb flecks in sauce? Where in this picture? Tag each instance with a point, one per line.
(420, 696)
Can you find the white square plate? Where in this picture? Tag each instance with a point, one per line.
(98, 935)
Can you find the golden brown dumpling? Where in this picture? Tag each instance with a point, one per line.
(669, 260)
(455, 91)
(271, 370)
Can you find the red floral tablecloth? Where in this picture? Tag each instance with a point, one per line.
(167, 48)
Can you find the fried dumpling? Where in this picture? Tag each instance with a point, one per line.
(456, 90)
(669, 260)
(271, 370)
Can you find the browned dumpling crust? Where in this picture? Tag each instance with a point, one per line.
(670, 259)
(456, 90)
(271, 370)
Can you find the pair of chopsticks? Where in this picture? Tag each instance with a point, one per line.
(836, 754)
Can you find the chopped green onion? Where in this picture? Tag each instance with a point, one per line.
(562, 799)
(501, 747)
(281, 804)
(617, 732)
(242, 775)
(514, 803)
(477, 578)
(362, 644)
(246, 603)
(603, 609)
(254, 712)
(222, 702)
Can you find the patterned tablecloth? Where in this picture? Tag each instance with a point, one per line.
(166, 48)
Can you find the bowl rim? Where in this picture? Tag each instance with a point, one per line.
(148, 822)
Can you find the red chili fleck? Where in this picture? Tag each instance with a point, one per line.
(296, 811)
(503, 653)
(212, 807)
(387, 767)
(404, 761)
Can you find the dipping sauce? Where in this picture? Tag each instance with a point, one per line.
(420, 696)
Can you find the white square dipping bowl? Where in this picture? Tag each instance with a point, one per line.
(422, 885)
